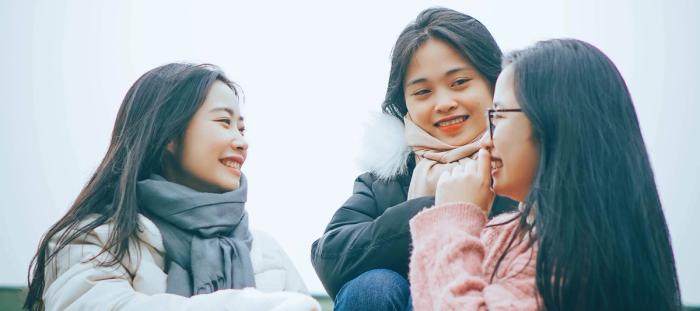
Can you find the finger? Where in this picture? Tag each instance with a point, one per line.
(445, 174)
(469, 165)
(484, 141)
(456, 168)
(484, 163)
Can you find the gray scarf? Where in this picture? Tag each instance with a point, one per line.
(206, 237)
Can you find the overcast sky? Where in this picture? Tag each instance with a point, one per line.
(311, 73)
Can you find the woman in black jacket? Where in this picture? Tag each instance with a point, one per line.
(443, 69)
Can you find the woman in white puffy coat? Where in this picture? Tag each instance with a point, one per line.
(162, 225)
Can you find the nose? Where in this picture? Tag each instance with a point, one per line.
(445, 103)
(239, 142)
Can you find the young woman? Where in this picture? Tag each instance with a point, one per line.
(590, 235)
(443, 69)
(162, 223)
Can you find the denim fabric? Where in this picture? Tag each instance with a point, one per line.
(377, 290)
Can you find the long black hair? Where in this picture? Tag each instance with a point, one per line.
(462, 32)
(602, 236)
(155, 110)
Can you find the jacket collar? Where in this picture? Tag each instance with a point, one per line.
(385, 152)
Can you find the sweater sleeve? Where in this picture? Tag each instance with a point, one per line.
(363, 236)
(447, 265)
(75, 281)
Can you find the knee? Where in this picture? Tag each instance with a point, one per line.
(379, 289)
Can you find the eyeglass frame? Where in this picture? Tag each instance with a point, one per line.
(489, 115)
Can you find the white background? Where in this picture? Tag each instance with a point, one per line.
(311, 72)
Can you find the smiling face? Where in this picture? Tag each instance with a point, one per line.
(514, 155)
(209, 156)
(445, 95)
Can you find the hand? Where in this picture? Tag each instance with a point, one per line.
(467, 183)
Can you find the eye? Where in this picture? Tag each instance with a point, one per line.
(497, 116)
(226, 121)
(242, 130)
(460, 81)
(421, 92)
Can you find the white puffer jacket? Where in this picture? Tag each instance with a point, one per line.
(74, 282)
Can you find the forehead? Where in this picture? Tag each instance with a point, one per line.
(221, 95)
(504, 95)
(435, 56)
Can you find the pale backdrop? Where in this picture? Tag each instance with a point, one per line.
(311, 72)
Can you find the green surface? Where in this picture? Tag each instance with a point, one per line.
(325, 301)
(12, 299)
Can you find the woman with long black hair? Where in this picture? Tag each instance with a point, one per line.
(443, 69)
(590, 234)
(162, 224)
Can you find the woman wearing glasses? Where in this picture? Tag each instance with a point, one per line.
(590, 234)
(443, 69)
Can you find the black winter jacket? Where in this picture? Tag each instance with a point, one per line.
(371, 231)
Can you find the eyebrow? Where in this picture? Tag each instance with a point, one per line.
(449, 72)
(227, 110)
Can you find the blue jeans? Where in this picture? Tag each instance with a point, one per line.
(376, 290)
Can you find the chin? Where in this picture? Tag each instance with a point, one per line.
(500, 189)
(460, 140)
(231, 185)
(513, 193)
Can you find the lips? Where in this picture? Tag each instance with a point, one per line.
(233, 162)
(451, 124)
(496, 164)
(450, 121)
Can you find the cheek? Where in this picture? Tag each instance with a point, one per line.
(478, 120)
(477, 99)
(193, 160)
(419, 112)
(524, 159)
(411, 106)
(200, 154)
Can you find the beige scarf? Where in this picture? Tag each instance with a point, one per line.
(432, 158)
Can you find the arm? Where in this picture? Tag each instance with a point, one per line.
(363, 236)
(293, 281)
(80, 284)
(447, 264)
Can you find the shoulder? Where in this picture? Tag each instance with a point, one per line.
(504, 222)
(507, 218)
(503, 225)
(147, 233)
(84, 255)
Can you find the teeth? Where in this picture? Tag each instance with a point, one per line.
(453, 121)
(232, 164)
(496, 164)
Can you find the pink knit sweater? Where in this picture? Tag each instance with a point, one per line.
(454, 256)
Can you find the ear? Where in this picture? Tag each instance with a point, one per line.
(171, 147)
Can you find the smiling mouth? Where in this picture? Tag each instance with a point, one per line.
(496, 163)
(452, 121)
(231, 163)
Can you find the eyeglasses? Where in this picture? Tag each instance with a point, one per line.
(491, 112)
